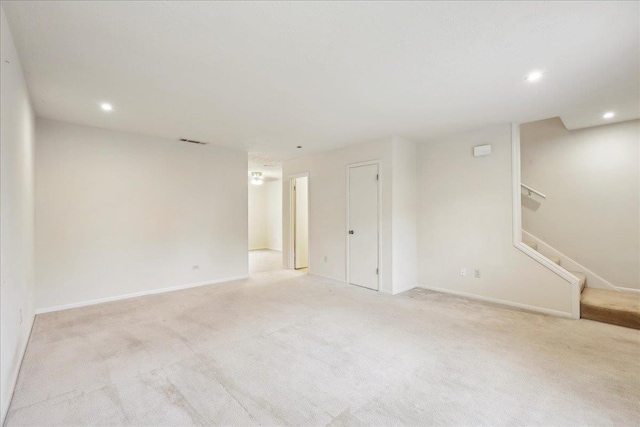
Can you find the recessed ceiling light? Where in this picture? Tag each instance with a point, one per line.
(106, 106)
(608, 115)
(534, 76)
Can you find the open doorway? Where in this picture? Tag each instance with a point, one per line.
(265, 222)
(300, 222)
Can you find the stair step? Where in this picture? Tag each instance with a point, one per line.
(582, 277)
(555, 259)
(609, 306)
(532, 245)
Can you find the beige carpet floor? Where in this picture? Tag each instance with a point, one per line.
(285, 348)
(617, 308)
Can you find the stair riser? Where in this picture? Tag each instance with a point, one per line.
(629, 320)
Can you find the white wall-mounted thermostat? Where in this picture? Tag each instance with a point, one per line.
(481, 150)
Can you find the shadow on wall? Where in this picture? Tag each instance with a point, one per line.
(529, 202)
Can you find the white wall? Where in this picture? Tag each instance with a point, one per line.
(16, 216)
(328, 210)
(465, 220)
(274, 214)
(118, 213)
(591, 180)
(404, 214)
(265, 216)
(258, 237)
(301, 226)
(328, 217)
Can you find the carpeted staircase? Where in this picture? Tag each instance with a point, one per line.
(604, 305)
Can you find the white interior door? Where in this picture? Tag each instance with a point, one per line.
(301, 206)
(363, 226)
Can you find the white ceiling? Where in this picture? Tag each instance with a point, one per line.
(268, 76)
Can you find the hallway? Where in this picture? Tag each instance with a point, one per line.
(267, 260)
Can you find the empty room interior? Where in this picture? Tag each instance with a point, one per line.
(320, 213)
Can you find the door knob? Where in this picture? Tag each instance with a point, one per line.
(350, 231)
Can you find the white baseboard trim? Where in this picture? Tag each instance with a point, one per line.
(401, 290)
(137, 294)
(632, 290)
(556, 313)
(14, 380)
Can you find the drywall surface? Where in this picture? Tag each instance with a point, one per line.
(258, 237)
(118, 213)
(274, 214)
(16, 216)
(328, 209)
(591, 178)
(404, 214)
(301, 226)
(269, 75)
(265, 216)
(465, 221)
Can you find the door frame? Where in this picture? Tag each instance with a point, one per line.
(292, 221)
(380, 177)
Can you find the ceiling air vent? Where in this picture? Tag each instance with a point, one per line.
(193, 141)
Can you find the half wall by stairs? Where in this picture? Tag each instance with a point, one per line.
(603, 305)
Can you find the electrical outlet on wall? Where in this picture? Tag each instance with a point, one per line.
(477, 273)
(463, 271)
